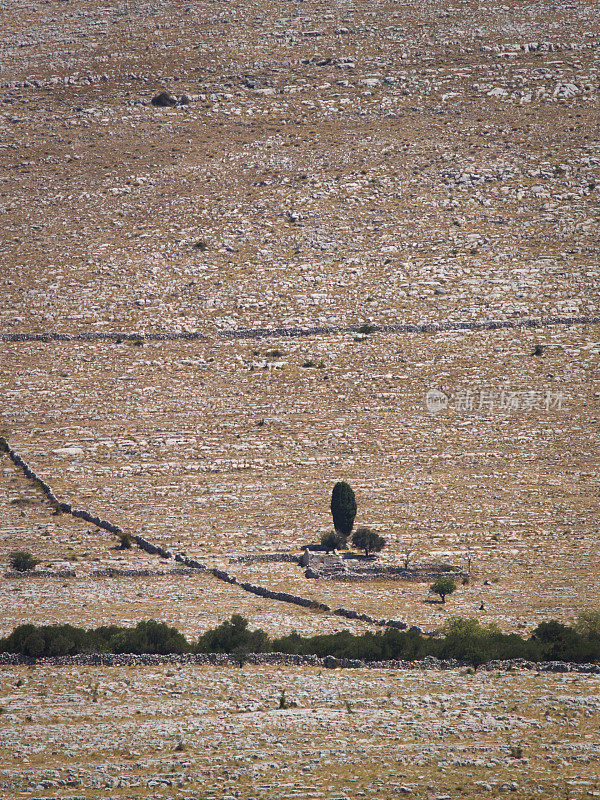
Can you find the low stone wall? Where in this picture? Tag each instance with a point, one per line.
(415, 576)
(283, 659)
(266, 558)
(295, 331)
(40, 573)
(114, 572)
(333, 566)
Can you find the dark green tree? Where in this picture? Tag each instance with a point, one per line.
(443, 586)
(22, 560)
(233, 636)
(343, 507)
(334, 541)
(367, 540)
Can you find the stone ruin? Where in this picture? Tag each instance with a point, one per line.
(332, 565)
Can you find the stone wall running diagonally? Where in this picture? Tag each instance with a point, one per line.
(191, 563)
(297, 331)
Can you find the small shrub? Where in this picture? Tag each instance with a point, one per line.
(367, 540)
(284, 703)
(334, 541)
(367, 328)
(22, 560)
(588, 625)
(515, 751)
(125, 541)
(443, 587)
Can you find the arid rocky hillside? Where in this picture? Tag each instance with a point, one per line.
(316, 174)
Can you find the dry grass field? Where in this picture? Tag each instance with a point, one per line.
(326, 164)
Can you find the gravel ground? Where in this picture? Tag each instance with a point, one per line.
(191, 732)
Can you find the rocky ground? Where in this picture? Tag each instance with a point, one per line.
(365, 161)
(208, 732)
(187, 445)
(323, 165)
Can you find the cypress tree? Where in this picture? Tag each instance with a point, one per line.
(343, 507)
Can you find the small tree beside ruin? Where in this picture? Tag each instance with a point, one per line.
(367, 540)
(334, 541)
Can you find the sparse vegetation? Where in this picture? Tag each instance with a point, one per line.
(22, 560)
(515, 751)
(366, 328)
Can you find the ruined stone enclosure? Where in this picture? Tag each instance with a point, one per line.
(348, 206)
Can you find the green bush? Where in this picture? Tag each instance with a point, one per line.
(22, 560)
(462, 639)
(367, 540)
(560, 642)
(443, 587)
(343, 507)
(334, 541)
(149, 637)
(46, 640)
(588, 625)
(366, 328)
(233, 635)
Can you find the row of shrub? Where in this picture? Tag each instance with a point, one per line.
(463, 639)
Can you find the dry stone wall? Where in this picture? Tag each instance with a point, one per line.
(295, 331)
(284, 659)
(41, 573)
